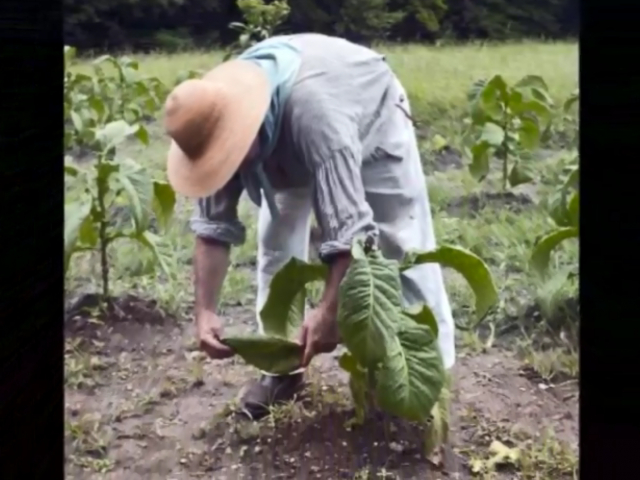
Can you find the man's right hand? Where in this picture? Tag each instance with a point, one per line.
(209, 330)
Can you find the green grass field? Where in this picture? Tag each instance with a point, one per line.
(142, 402)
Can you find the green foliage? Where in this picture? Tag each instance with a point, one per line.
(393, 357)
(260, 22)
(563, 205)
(91, 101)
(507, 122)
(101, 113)
(268, 353)
(564, 209)
(89, 218)
(365, 20)
(179, 24)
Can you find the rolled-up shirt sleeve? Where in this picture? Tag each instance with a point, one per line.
(216, 216)
(340, 206)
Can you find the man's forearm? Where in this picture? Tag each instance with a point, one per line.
(337, 270)
(210, 264)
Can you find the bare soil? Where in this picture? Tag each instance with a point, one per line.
(142, 402)
(470, 205)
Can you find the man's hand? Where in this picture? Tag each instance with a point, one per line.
(319, 333)
(209, 331)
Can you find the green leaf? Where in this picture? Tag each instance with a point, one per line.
(411, 377)
(571, 101)
(542, 96)
(270, 354)
(480, 160)
(532, 81)
(573, 179)
(541, 255)
(529, 134)
(476, 88)
(423, 315)
(160, 249)
(104, 170)
(138, 213)
(438, 142)
(139, 191)
(283, 311)
(164, 201)
(75, 215)
(520, 174)
(368, 307)
(88, 235)
(71, 170)
(492, 134)
(574, 209)
(76, 119)
(438, 428)
(536, 108)
(114, 133)
(494, 97)
(142, 134)
(98, 106)
(469, 265)
(357, 384)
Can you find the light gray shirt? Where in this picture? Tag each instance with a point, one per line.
(332, 123)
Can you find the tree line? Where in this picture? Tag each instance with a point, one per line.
(183, 24)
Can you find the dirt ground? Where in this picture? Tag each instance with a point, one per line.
(142, 402)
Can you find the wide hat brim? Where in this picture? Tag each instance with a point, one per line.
(239, 93)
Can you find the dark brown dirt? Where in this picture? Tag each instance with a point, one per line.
(141, 402)
(470, 205)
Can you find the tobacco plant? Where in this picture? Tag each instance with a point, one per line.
(507, 123)
(563, 207)
(114, 90)
(90, 222)
(393, 358)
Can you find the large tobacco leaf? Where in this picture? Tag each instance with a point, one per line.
(470, 266)
(270, 354)
(410, 379)
(368, 308)
(283, 311)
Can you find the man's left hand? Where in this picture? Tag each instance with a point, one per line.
(319, 333)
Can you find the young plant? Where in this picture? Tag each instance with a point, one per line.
(507, 123)
(93, 190)
(563, 207)
(260, 22)
(393, 357)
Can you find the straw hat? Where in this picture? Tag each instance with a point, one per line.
(212, 122)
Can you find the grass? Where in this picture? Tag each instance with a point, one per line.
(156, 379)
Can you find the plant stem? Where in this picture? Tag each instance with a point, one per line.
(505, 172)
(102, 237)
(505, 156)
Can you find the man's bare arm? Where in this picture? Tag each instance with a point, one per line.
(211, 261)
(338, 267)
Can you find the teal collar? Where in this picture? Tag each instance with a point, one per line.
(281, 61)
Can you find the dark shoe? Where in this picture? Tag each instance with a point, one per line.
(268, 391)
